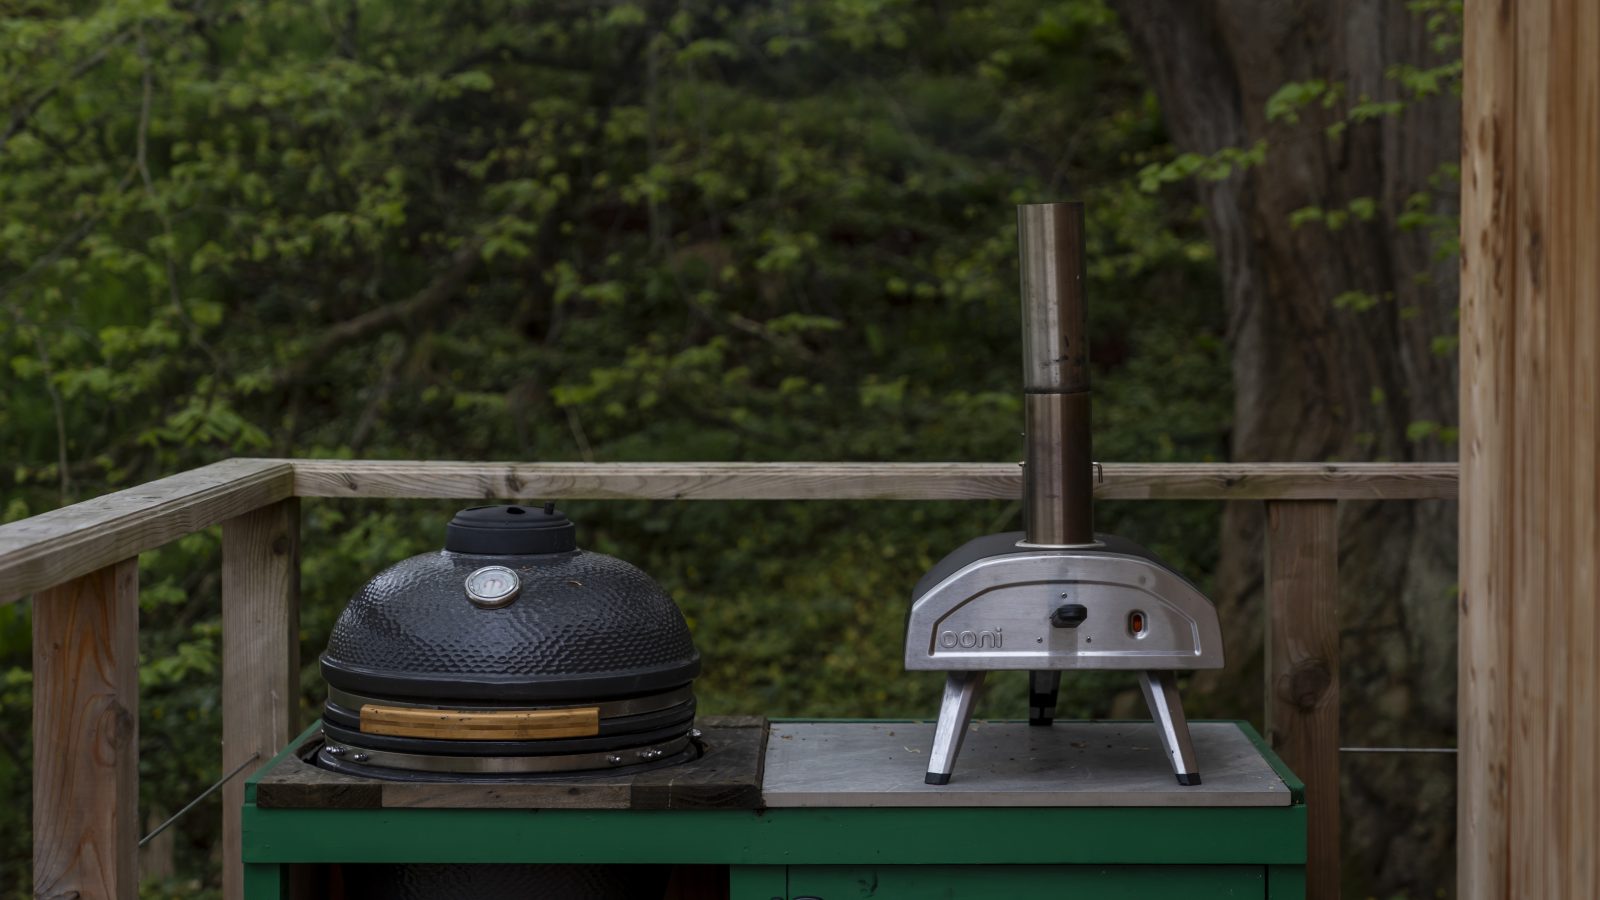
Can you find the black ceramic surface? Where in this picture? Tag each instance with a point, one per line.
(584, 626)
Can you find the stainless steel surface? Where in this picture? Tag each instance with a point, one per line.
(995, 614)
(853, 764)
(1050, 246)
(492, 587)
(955, 711)
(1058, 477)
(1166, 710)
(508, 765)
(1058, 491)
(608, 709)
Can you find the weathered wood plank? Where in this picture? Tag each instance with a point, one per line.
(260, 655)
(1488, 463)
(572, 794)
(861, 481)
(86, 736)
(297, 784)
(1549, 391)
(1302, 579)
(1577, 63)
(1548, 538)
(728, 776)
(53, 547)
(1529, 537)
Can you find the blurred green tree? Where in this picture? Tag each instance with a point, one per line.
(1327, 140)
(557, 231)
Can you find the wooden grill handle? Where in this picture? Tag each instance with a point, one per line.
(480, 725)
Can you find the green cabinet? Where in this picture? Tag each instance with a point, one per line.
(811, 842)
(978, 882)
(1027, 882)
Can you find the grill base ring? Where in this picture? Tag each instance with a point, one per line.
(502, 769)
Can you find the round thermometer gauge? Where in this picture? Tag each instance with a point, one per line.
(492, 586)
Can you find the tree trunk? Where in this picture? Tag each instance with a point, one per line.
(1316, 379)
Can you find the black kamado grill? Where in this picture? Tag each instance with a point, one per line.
(509, 655)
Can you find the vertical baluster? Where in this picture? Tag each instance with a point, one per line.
(1302, 578)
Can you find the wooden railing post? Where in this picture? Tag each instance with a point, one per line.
(86, 736)
(260, 656)
(1302, 588)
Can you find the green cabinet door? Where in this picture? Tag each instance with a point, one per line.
(1027, 882)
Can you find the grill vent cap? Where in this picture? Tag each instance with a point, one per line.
(511, 531)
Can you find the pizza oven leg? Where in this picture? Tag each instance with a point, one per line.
(1043, 689)
(955, 711)
(1161, 695)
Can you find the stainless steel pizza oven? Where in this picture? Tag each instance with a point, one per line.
(510, 654)
(1057, 596)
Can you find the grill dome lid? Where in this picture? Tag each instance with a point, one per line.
(510, 610)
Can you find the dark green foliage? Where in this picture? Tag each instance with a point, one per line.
(557, 232)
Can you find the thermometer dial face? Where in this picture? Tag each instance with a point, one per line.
(492, 586)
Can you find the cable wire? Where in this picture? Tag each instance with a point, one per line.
(203, 794)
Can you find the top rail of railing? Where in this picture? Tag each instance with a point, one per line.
(54, 547)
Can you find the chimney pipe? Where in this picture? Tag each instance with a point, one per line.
(1058, 479)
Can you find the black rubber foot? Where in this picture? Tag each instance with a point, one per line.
(1044, 722)
(1189, 779)
(936, 778)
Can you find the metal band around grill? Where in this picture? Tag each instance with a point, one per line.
(506, 765)
(608, 709)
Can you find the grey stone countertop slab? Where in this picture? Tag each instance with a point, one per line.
(854, 764)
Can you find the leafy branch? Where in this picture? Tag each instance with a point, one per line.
(25, 111)
(1217, 166)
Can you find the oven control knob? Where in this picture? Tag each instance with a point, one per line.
(1069, 616)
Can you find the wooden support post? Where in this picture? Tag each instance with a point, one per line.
(86, 736)
(1528, 820)
(1488, 471)
(260, 656)
(1302, 578)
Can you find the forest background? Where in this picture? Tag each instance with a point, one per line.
(697, 231)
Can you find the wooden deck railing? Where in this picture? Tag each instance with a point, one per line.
(80, 562)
